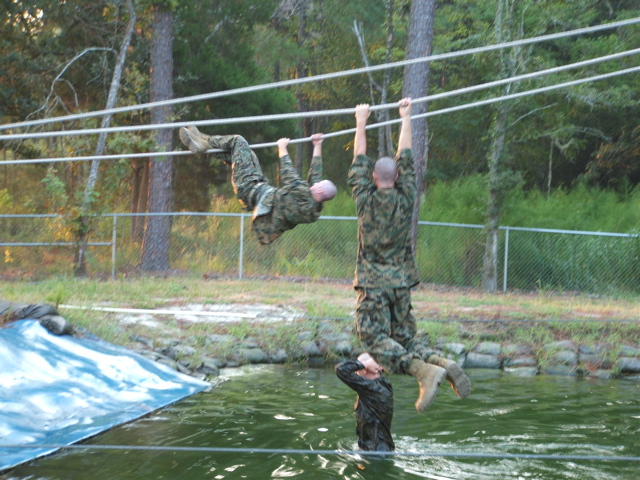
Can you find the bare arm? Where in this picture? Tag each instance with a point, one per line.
(404, 141)
(282, 147)
(360, 141)
(316, 139)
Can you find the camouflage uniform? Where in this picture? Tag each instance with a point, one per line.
(385, 267)
(275, 210)
(373, 409)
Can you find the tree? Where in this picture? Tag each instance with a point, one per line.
(83, 222)
(416, 84)
(155, 246)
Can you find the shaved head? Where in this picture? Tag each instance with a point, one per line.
(385, 171)
(323, 190)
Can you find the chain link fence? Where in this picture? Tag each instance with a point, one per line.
(223, 244)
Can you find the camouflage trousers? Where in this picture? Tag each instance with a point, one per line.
(246, 174)
(387, 329)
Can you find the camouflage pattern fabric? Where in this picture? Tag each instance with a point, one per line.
(373, 409)
(286, 206)
(385, 258)
(387, 329)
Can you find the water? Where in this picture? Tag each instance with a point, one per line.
(276, 407)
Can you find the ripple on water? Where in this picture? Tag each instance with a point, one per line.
(279, 407)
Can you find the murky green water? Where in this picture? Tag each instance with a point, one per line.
(275, 407)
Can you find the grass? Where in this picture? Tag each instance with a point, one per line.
(453, 314)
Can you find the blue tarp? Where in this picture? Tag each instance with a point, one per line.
(58, 390)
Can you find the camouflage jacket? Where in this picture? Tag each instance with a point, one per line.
(384, 259)
(374, 407)
(291, 203)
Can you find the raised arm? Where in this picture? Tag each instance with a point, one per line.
(360, 141)
(282, 147)
(315, 169)
(404, 141)
(288, 173)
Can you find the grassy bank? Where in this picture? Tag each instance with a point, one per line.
(457, 315)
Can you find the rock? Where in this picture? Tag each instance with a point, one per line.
(600, 373)
(529, 361)
(593, 361)
(488, 348)
(56, 324)
(215, 338)
(594, 349)
(516, 350)
(482, 360)
(522, 371)
(140, 339)
(629, 351)
(453, 348)
(343, 348)
(561, 345)
(252, 355)
(565, 357)
(306, 335)
(280, 356)
(311, 349)
(179, 351)
(248, 343)
(162, 343)
(629, 365)
(209, 366)
(560, 369)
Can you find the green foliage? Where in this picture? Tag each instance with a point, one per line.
(6, 204)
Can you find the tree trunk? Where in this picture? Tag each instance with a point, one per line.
(416, 84)
(511, 62)
(301, 69)
(155, 246)
(139, 197)
(494, 202)
(84, 222)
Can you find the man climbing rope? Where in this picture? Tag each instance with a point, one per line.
(275, 210)
(374, 403)
(384, 194)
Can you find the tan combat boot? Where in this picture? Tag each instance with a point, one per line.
(455, 375)
(429, 378)
(194, 140)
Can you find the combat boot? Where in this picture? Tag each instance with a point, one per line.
(455, 375)
(194, 140)
(429, 378)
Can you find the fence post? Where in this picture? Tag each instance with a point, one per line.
(240, 256)
(113, 248)
(506, 260)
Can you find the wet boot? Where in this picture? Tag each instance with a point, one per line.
(429, 378)
(194, 140)
(455, 375)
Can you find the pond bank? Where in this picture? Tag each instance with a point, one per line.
(324, 342)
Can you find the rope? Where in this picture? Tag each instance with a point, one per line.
(342, 132)
(271, 451)
(315, 78)
(342, 111)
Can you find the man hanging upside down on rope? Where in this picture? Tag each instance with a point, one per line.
(275, 210)
(384, 194)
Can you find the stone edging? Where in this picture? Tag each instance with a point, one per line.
(565, 358)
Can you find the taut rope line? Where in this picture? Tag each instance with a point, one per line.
(316, 78)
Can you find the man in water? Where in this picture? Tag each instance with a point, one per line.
(384, 193)
(374, 403)
(275, 210)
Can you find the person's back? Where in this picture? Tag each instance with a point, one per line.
(384, 257)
